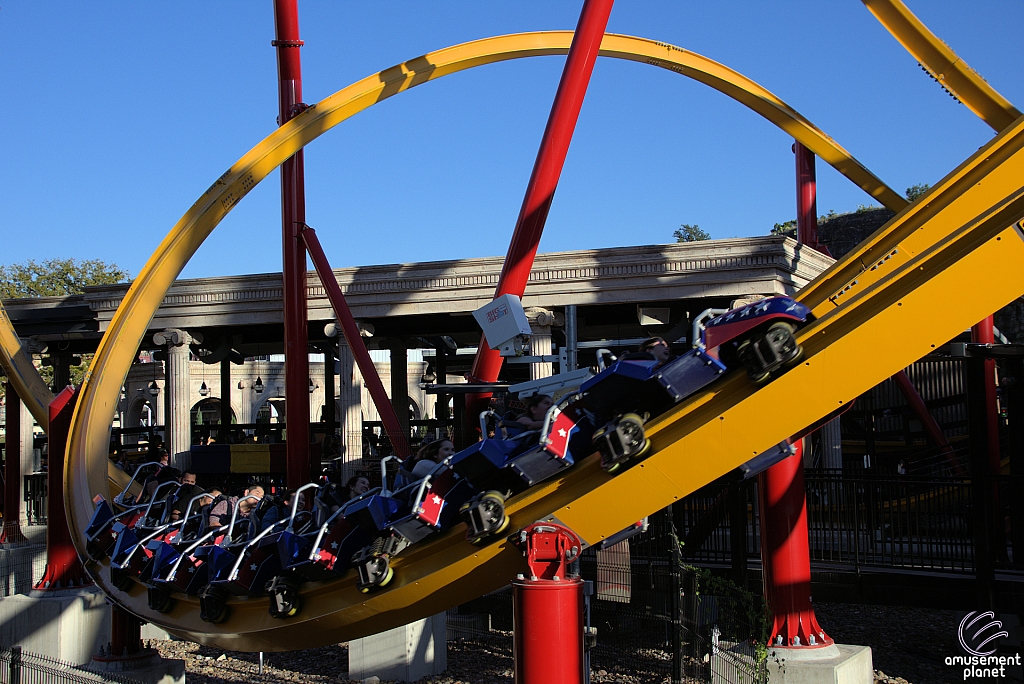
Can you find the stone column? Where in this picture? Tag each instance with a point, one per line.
(541, 322)
(178, 435)
(350, 399)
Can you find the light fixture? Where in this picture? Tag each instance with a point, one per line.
(312, 386)
(154, 389)
(241, 384)
(258, 385)
(429, 376)
(204, 391)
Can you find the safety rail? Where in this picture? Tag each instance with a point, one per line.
(20, 667)
(862, 521)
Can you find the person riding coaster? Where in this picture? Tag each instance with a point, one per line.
(125, 508)
(758, 337)
(169, 553)
(132, 555)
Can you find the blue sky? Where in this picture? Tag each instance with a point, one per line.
(118, 115)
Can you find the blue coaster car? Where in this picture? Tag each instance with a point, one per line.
(406, 516)
(499, 468)
(758, 337)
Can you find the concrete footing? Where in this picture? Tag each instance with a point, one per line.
(403, 654)
(72, 625)
(835, 664)
(146, 666)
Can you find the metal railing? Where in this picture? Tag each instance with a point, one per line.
(19, 667)
(900, 522)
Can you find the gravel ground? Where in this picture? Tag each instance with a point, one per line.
(908, 646)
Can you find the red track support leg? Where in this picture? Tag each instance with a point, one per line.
(379, 395)
(63, 567)
(293, 217)
(785, 555)
(984, 333)
(547, 169)
(12, 533)
(548, 608)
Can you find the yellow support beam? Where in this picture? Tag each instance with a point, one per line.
(22, 373)
(944, 65)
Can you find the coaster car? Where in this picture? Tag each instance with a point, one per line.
(758, 337)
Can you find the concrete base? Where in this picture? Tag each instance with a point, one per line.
(21, 566)
(68, 625)
(403, 654)
(836, 664)
(146, 667)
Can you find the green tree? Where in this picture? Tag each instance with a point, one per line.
(56, 277)
(688, 233)
(786, 228)
(915, 191)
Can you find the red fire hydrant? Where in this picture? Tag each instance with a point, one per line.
(548, 608)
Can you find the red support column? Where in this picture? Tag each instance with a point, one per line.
(12, 533)
(984, 333)
(806, 198)
(785, 555)
(293, 217)
(379, 395)
(548, 608)
(547, 169)
(928, 422)
(63, 567)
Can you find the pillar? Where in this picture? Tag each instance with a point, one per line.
(177, 430)
(12, 470)
(785, 555)
(225, 400)
(400, 384)
(541, 321)
(350, 398)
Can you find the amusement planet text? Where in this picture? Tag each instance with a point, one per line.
(984, 666)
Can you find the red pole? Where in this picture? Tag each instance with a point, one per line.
(12, 533)
(355, 343)
(807, 199)
(785, 555)
(984, 333)
(63, 568)
(293, 216)
(547, 608)
(931, 426)
(547, 169)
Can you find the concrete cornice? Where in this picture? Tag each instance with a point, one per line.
(713, 268)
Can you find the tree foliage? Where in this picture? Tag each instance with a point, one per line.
(690, 233)
(56, 277)
(915, 191)
(785, 228)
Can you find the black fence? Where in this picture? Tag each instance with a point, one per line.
(18, 667)
(871, 521)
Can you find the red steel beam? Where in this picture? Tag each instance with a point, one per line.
(806, 199)
(63, 568)
(355, 342)
(11, 533)
(293, 216)
(547, 169)
(785, 555)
